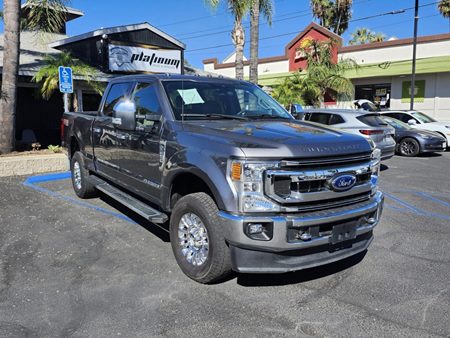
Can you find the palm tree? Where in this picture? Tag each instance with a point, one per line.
(238, 8)
(48, 75)
(444, 9)
(11, 11)
(290, 90)
(45, 15)
(362, 36)
(323, 75)
(266, 8)
(332, 14)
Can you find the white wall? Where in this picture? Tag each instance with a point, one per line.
(263, 69)
(437, 95)
(398, 53)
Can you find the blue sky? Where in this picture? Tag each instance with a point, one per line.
(200, 28)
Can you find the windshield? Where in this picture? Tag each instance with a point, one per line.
(397, 124)
(422, 117)
(191, 99)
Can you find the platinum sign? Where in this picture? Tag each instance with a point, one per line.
(137, 59)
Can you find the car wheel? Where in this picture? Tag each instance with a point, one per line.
(409, 147)
(197, 239)
(82, 187)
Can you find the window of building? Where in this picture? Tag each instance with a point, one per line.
(91, 101)
(116, 92)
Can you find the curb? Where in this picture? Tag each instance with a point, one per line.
(32, 164)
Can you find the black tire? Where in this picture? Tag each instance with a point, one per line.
(218, 261)
(82, 187)
(409, 147)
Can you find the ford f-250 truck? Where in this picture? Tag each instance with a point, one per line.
(239, 182)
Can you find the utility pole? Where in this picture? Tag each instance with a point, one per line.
(413, 75)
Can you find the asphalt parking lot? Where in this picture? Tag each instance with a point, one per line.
(71, 267)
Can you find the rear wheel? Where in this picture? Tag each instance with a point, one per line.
(409, 147)
(82, 187)
(197, 239)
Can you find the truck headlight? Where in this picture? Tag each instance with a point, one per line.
(248, 180)
(375, 161)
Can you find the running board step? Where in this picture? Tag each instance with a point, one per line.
(130, 202)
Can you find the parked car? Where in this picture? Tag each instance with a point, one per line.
(411, 142)
(240, 183)
(366, 105)
(359, 122)
(421, 121)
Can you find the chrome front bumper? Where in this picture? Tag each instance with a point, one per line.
(281, 253)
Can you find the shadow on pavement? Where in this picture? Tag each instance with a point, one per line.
(383, 167)
(429, 155)
(299, 276)
(156, 230)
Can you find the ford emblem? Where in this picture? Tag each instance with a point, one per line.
(343, 182)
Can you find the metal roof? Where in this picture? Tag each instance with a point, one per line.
(117, 29)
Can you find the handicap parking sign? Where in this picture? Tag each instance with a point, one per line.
(65, 80)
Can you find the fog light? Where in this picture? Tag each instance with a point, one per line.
(255, 229)
(305, 236)
(259, 231)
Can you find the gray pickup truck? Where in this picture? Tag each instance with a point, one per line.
(237, 181)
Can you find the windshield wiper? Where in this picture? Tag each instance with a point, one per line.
(268, 117)
(217, 116)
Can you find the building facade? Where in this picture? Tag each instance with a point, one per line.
(383, 75)
(113, 51)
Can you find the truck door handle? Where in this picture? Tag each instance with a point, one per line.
(97, 130)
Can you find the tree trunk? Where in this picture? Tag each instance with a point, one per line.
(11, 18)
(239, 41)
(254, 41)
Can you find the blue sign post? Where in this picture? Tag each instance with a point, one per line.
(65, 84)
(65, 80)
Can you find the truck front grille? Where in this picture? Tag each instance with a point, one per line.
(302, 188)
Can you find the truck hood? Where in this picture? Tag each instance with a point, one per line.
(277, 138)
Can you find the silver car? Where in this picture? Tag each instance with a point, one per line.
(360, 122)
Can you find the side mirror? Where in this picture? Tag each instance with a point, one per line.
(412, 122)
(296, 110)
(125, 115)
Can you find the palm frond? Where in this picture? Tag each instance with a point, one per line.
(48, 75)
(46, 15)
(266, 8)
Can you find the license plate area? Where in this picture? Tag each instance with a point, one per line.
(343, 232)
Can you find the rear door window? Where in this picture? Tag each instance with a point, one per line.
(117, 91)
(336, 119)
(372, 120)
(323, 118)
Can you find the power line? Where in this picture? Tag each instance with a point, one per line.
(186, 36)
(296, 32)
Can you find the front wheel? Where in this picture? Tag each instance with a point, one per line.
(409, 147)
(197, 239)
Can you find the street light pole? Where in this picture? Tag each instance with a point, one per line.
(413, 75)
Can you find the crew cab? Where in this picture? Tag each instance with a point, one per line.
(237, 181)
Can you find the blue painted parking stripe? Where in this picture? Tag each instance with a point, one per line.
(405, 204)
(432, 198)
(415, 210)
(33, 180)
(48, 177)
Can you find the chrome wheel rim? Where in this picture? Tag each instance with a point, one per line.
(408, 147)
(193, 239)
(77, 175)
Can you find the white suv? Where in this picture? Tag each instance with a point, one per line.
(421, 121)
